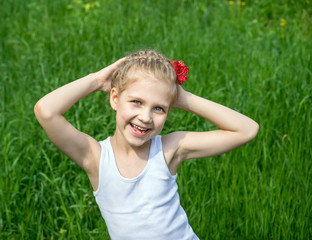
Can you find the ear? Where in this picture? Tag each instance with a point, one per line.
(114, 98)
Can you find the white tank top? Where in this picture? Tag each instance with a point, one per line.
(144, 207)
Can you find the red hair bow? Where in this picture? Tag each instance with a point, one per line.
(181, 70)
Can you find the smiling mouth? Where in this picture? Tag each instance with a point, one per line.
(139, 129)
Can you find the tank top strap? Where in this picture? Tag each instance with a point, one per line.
(156, 147)
(105, 160)
(158, 159)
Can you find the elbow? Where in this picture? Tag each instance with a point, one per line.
(41, 111)
(252, 131)
(37, 109)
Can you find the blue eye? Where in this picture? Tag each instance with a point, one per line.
(136, 102)
(159, 109)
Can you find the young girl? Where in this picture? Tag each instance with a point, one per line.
(133, 173)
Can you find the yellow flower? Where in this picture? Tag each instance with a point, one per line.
(90, 5)
(87, 6)
(243, 3)
(231, 2)
(283, 22)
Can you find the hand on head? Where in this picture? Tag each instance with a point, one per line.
(180, 100)
(104, 76)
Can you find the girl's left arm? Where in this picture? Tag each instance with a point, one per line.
(235, 129)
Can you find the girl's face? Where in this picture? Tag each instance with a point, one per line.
(141, 109)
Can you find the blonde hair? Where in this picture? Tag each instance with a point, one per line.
(149, 61)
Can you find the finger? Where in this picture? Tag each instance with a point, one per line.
(118, 62)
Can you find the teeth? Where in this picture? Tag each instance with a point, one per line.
(139, 128)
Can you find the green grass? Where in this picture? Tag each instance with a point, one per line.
(239, 56)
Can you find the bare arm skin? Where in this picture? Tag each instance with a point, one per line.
(49, 110)
(235, 129)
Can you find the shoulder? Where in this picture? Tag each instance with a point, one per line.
(104, 144)
(92, 163)
(171, 144)
(102, 149)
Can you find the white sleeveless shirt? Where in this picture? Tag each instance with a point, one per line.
(146, 207)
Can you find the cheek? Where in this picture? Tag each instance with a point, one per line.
(160, 120)
(126, 112)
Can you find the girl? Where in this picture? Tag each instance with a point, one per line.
(133, 173)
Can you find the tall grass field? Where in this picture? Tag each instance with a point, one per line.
(252, 56)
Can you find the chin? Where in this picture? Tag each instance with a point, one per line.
(139, 141)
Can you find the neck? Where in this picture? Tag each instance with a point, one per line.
(123, 148)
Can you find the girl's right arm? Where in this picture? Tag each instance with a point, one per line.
(235, 129)
(49, 110)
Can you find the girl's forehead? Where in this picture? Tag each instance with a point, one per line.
(149, 89)
(147, 85)
(150, 82)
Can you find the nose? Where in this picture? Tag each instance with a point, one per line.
(145, 116)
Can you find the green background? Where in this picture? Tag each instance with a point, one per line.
(252, 56)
